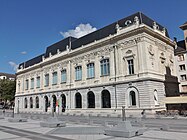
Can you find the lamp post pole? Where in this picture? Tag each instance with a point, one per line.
(123, 114)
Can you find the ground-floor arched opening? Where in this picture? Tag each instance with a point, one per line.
(54, 100)
(31, 102)
(46, 103)
(37, 102)
(78, 100)
(105, 98)
(25, 103)
(91, 99)
(63, 102)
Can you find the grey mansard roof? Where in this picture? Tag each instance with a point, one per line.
(181, 47)
(96, 35)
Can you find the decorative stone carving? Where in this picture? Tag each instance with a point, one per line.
(155, 26)
(118, 27)
(162, 57)
(58, 51)
(128, 54)
(151, 50)
(171, 58)
(136, 20)
(164, 31)
(130, 42)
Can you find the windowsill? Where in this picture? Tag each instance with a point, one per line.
(132, 106)
(46, 85)
(63, 82)
(37, 87)
(90, 78)
(130, 75)
(31, 88)
(54, 84)
(105, 75)
(78, 80)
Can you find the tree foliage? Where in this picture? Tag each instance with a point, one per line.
(7, 89)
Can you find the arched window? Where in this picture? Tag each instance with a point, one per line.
(46, 103)
(63, 101)
(54, 102)
(156, 97)
(105, 97)
(37, 102)
(31, 102)
(132, 98)
(25, 103)
(78, 100)
(91, 99)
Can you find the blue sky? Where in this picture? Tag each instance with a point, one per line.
(27, 27)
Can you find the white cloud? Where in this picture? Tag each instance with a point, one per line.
(24, 52)
(79, 31)
(13, 65)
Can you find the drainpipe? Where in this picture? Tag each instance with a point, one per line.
(70, 84)
(70, 75)
(115, 76)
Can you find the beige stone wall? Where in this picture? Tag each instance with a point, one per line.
(150, 50)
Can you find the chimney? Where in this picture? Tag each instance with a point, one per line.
(175, 39)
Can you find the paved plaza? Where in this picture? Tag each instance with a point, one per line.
(77, 128)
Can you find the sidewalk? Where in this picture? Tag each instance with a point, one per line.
(31, 130)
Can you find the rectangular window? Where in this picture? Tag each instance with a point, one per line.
(184, 88)
(32, 83)
(90, 70)
(183, 77)
(105, 67)
(63, 76)
(181, 57)
(131, 66)
(55, 78)
(78, 73)
(27, 84)
(47, 80)
(38, 82)
(182, 67)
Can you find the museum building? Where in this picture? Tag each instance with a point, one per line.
(127, 63)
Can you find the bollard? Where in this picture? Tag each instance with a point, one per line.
(123, 114)
(13, 112)
(53, 111)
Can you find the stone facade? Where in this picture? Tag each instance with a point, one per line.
(133, 74)
(181, 61)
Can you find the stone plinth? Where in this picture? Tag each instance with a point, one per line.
(1, 117)
(52, 122)
(17, 118)
(124, 129)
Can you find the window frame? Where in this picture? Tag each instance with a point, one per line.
(105, 67)
(90, 70)
(130, 63)
(38, 82)
(55, 78)
(46, 80)
(32, 83)
(63, 72)
(78, 73)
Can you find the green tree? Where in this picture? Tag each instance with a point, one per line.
(7, 90)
